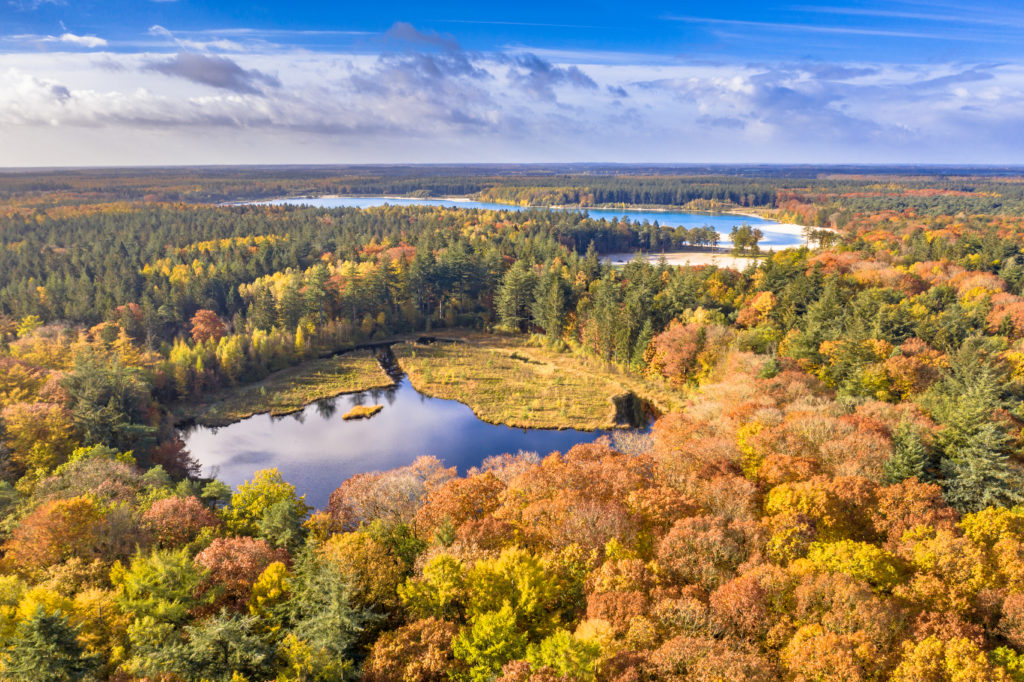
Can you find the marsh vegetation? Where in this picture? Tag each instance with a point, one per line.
(511, 380)
(289, 390)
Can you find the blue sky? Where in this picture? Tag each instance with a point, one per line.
(177, 82)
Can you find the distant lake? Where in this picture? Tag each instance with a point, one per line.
(775, 234)
(315, 449)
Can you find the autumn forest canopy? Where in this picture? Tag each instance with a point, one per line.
(839, 495)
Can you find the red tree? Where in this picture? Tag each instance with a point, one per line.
(206, 325)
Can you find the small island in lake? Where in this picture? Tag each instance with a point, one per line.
(362, 411)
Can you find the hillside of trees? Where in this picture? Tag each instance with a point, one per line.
(842, 498)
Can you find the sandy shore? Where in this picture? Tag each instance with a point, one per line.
(721, 260)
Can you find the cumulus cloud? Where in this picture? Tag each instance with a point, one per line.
(521, 106)
(539, 77)
(216, 72)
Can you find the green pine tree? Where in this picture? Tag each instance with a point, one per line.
(643, 340)
(910, 455)
(978, 474)
(591, 262)
(281, 525)
(974, 447)
(548, 307)
(225, 644)
(515, 295)
(45, 648)
(322, 614)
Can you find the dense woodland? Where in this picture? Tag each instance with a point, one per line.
(841, 499)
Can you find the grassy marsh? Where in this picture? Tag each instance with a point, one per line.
(292, 389)
(506, 380)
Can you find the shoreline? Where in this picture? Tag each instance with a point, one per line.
(291, 389)
(241, 403)
(720, 259)
(769, 225)
(636, 208)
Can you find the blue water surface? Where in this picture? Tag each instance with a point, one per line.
(315, 449)
(775, 234)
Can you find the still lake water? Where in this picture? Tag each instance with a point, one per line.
(775, 234)
(315, 449)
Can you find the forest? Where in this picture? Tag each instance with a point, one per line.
(840, 498)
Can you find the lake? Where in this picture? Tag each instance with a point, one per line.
(315, 449)
(775, 234)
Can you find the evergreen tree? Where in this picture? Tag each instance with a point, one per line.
(643, 340)
(515, 296)
(45, 648)
(549, 305)
(603, 316)
(322, 614)
(975, 448)
(290, 306)
(910, 456)
(980, 474)
(315, 294)
(281, 525)
(225, 644)
(591, 263)
(263, 310)
(109, 402)
(824, 321)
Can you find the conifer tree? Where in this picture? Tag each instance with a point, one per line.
(549, 305)
(322, 614)
(975, 466)
(643, 341)
(224, 645)
(910, 456)
(45, 648)
(591, 263)
(515, 295)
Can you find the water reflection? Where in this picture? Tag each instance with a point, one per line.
(316, 449)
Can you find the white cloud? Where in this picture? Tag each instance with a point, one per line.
(452, 105)
(79, 41)
(220, 44)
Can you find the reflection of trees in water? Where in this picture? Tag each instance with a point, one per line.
(387, 394)
(327, 407)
